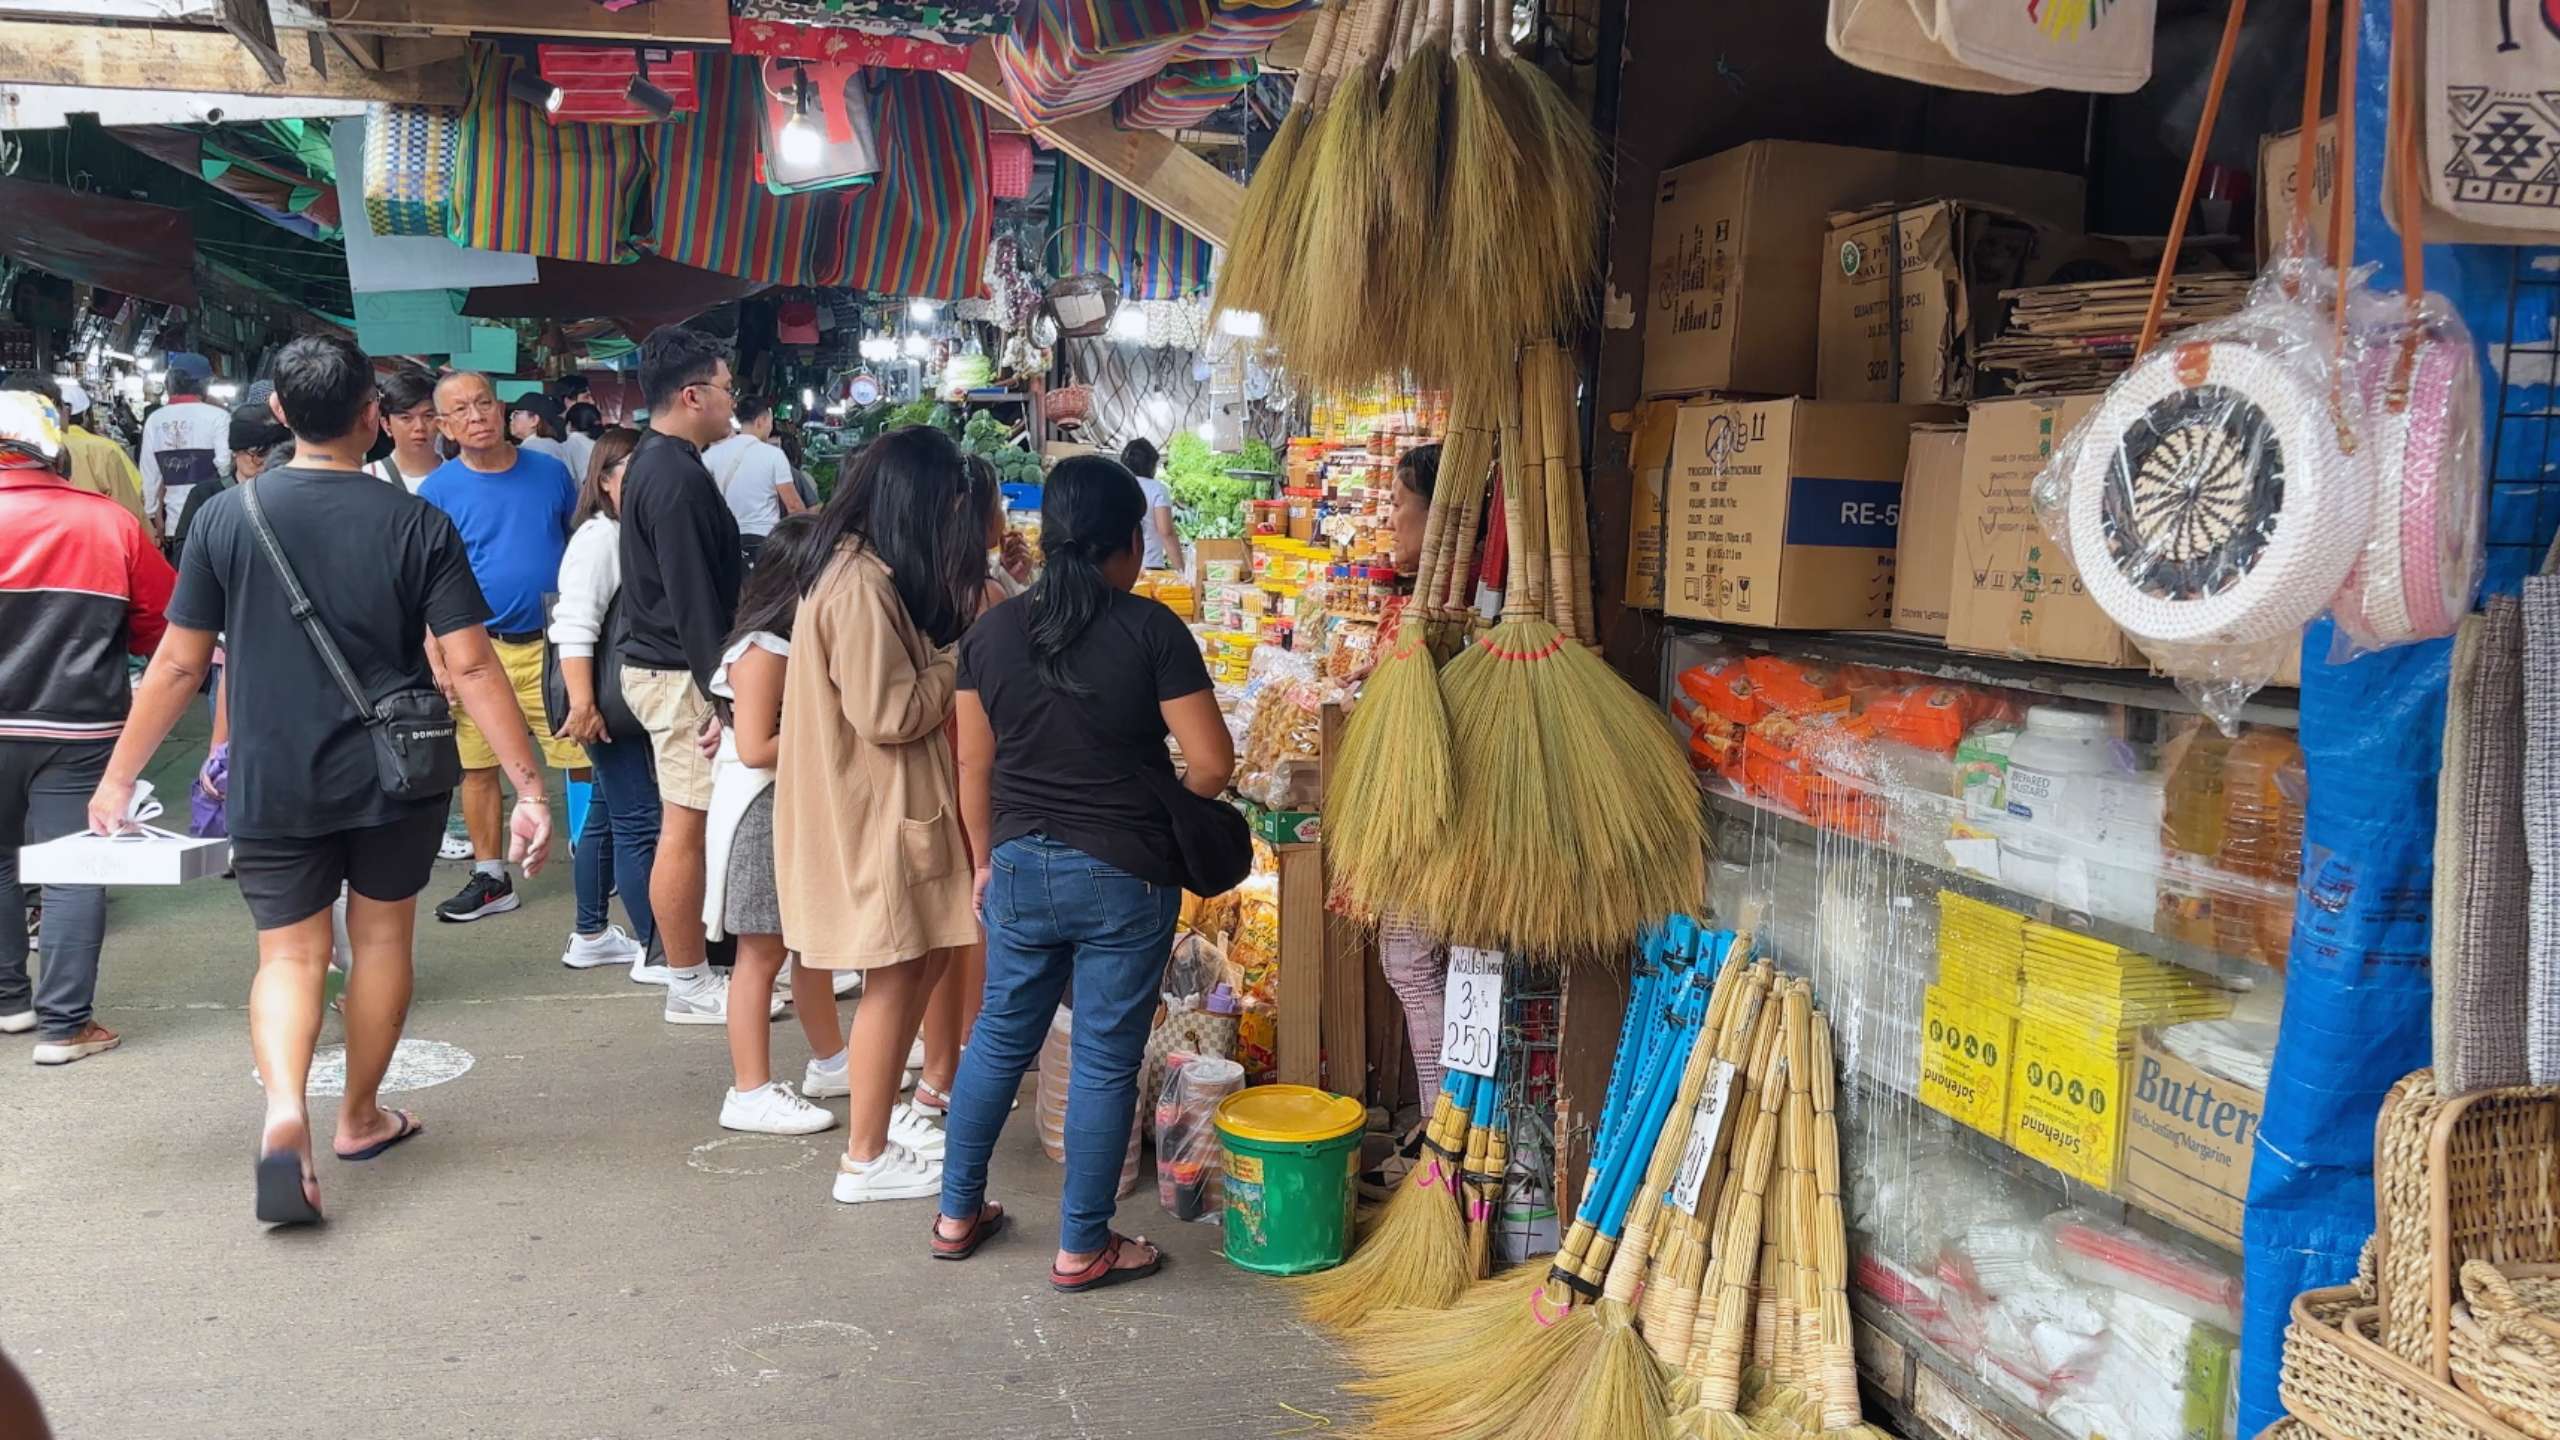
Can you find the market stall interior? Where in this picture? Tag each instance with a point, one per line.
(1892, 661)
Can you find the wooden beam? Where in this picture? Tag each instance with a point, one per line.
(364, 50)
(208, 60)
(409, 52)
(672, 22)
(1183, 187)
(250, 23)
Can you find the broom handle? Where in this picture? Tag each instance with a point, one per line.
(1435, 25)
(1532, 539)
(1736, 1264)
(1319, 45)
(1554, 399)
(1462, 28)
(1629, 1266)
(1338, 53)
(1458, 596)
(1515, 595)
(1402, 45)
(1378, 25)
(1498, 18)
(1435, 528)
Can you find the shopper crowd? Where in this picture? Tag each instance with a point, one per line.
(829, 749)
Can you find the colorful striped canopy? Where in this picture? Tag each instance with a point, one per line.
(521, 183)
(1105, 228)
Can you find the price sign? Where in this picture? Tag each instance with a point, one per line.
(1713, 1105)
(1471, 1011)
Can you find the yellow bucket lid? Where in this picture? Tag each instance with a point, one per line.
(1290, 1115)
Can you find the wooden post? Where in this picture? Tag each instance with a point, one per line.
(1300, 1041)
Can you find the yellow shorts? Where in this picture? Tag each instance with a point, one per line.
(523, 663)
(674, 709)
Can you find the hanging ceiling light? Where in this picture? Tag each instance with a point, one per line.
(923, 311)
(803, 146)
(649, 97)
(1128, 324)
(808, 398)
(526, 84)
(917, 347)
(1244, 324)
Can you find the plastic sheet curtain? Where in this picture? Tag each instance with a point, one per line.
(2358, 997)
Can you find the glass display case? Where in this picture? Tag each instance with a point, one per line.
(2048, 910)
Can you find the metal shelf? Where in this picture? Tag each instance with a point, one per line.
(1962, 1403)
(1923, 655)
(2232, 970)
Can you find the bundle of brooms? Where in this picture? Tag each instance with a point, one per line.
(1384, 229)
(1564, 819)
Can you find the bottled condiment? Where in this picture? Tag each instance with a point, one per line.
(2191, 834)
(2264, 785)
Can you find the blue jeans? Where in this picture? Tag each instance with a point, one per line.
(1054, 913)
(621, 838)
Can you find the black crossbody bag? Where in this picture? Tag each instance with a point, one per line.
(413, 752)
(1212, 844)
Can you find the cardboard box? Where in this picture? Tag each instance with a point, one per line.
(1651, 430)
(1784, 512)
(157, 857)
(1220, 562)
(1956, 256)
(1737, 239)
(2014, 590)
(2188, 1139)
(1924, 544)
(2279, 162)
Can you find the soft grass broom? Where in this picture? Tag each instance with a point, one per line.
(1280, 274)
(1333, 337)
(1561, 237)
(1416, 1253)
(1413, 146)
(1391, 780)
(1500, 1380)
(1265, 245)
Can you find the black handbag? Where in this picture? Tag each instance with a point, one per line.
(620, 725)
(1212, 844)
(413, 751)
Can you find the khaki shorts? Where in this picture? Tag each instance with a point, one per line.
(523, 663)
(674, 709)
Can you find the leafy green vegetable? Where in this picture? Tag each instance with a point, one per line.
(1208, 501)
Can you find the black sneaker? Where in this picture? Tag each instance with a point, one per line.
(481, 895)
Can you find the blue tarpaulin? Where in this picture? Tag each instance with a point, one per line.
(2357, 999)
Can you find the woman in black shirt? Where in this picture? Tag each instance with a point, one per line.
(1066, 695)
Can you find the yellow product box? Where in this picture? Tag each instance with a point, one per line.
(1965, 1060)
(2067, 1090)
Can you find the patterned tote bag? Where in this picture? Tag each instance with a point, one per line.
(524, 184)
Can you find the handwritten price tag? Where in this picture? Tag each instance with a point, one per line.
(1697, 1157)
(1471, 1011)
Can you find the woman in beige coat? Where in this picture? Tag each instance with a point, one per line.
(868, 855)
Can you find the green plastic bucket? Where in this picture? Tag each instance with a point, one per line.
(1293, 1157)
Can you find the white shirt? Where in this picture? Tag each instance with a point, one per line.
(749, 473)
(1159, 497)
(590, 573)
(545, 445)
(387, 469)
(734, 786)
(180, 432)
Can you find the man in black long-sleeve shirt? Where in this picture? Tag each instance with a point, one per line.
(680, 574)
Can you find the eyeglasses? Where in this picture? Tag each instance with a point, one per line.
(482, 406)
(729, 390)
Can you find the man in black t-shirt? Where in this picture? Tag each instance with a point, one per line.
(306, 808)
(680, 571)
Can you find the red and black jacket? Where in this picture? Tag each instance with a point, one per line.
(80, 585)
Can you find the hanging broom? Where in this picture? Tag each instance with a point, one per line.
(1499, 1380)
(1392, 788)
(1416, 1252)
(1264, 248)
(1333, 336)
(1413, 142)
(1560, 238)
(1289, 305)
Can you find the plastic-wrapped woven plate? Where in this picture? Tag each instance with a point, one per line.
(2422, 563)
(2211, 503)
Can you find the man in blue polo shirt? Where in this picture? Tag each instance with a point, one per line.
(513, 509)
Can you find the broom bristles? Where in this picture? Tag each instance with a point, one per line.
(1244, 278)
(1415, 1256)
(1625, 1396)
(1410, 140)
(1393, 778)
(1496, 1382)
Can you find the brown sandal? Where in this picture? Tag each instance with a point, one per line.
(1105, 1269)
(985, 1227)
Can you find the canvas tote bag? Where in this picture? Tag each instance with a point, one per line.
(2489, 77)
(2483, 872)
(1885, 36)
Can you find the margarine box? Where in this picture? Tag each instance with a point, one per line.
(1965, 1060)
(2188, 1138)
(2066, 1099)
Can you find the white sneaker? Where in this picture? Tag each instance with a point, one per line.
(613, 947)
(772, 1109)
(703, 1002)
(899, 1174)
(848, 982)
(645, 971)
(17, 1022)
(782, 981)
(820, 1083)
(918, 1129)
(915, 1065)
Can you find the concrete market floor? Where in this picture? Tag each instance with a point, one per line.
(573, 1250)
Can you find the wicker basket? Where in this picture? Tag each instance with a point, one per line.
(2470, 1177)
(2341, 1382)
(2288, 1428)
(2506, 1344)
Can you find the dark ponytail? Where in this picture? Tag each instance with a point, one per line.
(1089, 513)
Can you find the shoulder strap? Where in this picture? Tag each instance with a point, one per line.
(303, 610)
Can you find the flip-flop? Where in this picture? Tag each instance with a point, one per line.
(281, 1198)
(1105, 1269)
(409, 1126)
(986, 1227)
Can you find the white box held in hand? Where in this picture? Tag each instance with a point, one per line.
(153, 857)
